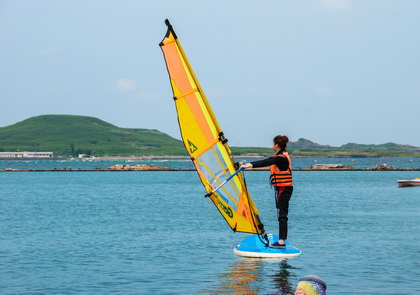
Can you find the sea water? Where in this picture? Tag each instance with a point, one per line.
(185, 163)
(155, 233)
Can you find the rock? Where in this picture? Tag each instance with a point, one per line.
(330, 166)
(383, 167)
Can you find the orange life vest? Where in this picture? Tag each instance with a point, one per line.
(281, 178)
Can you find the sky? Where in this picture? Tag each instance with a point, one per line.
(331, 71)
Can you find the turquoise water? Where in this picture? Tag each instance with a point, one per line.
(185, 163)
(155, 233)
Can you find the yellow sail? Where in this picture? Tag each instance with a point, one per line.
(205, 142)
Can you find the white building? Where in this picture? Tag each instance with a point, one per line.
(14, 155)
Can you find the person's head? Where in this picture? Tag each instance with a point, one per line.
(280, 143)
(311, 284)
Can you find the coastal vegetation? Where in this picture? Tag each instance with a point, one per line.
(70, 135)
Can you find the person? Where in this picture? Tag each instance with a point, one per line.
(311, 285)
(281, 179)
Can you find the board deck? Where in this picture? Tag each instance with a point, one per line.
(252, 246)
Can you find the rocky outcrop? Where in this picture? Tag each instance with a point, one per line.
(330, 167)
(305, 143)
(383, 167)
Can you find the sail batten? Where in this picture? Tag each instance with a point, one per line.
(206, 143)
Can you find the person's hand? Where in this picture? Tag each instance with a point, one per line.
(246, 166)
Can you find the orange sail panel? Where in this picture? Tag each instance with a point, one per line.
(205, 142)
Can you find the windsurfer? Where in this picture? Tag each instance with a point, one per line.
(281, 178)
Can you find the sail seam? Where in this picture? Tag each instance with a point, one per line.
(206, 149)
(186, 93)
(163, 43)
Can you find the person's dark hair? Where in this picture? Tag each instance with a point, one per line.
(281, 141)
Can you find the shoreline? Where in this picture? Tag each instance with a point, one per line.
(130, 158)
(177, 170)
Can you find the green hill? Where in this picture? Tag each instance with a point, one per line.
(68, 135)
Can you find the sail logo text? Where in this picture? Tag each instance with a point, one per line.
(225, 209)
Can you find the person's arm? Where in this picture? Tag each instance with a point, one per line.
(262, 163)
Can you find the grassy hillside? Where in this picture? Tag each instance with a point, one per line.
(68, 135)
(307, 149)
(339, 152)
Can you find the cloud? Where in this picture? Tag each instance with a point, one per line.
(126, 84)
(334, 5)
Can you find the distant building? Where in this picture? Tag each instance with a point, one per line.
(14, 155)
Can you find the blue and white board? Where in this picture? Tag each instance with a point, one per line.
(252, 246)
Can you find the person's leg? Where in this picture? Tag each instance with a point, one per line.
(283, 198)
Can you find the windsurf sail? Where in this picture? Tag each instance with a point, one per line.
(206, 143)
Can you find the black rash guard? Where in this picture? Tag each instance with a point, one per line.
(281, 162)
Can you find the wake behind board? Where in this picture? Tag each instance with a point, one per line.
(252, 246)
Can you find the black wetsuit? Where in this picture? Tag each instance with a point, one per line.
(282, 194)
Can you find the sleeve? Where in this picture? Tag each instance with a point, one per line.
(266, 162)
